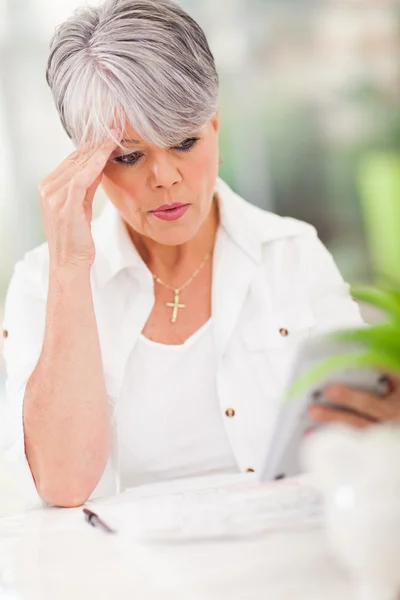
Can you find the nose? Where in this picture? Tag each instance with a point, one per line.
(164, 171)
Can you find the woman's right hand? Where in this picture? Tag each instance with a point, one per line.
(67, 201)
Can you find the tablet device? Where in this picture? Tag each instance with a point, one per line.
(293, 421)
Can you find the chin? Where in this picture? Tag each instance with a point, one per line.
(176, 236)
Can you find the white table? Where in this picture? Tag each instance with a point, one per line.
(53, 554)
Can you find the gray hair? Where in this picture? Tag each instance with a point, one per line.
(146, 62)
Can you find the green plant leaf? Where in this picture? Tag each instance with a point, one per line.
(377, 346)
(384, 337)
(387, 283)
(377, 359)
(386, 300)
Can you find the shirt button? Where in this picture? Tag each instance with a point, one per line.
(230, 413)
(249, 470)
(5, 334)
(284, 332)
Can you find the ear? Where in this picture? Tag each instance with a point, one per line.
(215, 121)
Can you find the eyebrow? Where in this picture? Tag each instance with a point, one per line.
(130, 141)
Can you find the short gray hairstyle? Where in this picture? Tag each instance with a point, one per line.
(146, 62)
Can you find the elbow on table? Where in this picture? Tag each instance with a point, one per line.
(64, 498)
(67, 486)
(66, 495)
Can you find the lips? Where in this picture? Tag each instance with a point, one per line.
(169, 207)
(170, 212)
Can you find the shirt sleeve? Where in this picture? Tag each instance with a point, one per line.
(328, 293)
(24, 322)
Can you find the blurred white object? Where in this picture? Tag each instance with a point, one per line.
(11, 499)
(359, 475)
(232, 511)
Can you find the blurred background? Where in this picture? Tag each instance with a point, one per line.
(310, 95)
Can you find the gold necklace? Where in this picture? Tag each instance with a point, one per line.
(176, 304)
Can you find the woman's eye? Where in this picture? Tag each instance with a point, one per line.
(134, 157)
(187, 144)
(129, 159)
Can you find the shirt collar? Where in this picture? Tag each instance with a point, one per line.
(115, 250)
(245, 225)
(249, 226)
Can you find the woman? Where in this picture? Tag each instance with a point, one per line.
(155, 344)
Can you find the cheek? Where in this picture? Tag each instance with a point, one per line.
(204, 168)
(119, 186)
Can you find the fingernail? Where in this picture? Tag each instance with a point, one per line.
(385, 386)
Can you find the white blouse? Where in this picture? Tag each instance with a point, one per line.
(270, 275)
(169, 418)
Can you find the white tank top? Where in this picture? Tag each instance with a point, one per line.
(169, 418)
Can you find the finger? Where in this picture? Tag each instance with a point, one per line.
(87, 179)
(386, 385)
(61, 186)
(394, 380)
(69, 163)
(76, 161)
(325, 414)
(90, 194)
(361, 402)
(61, 177)
(57, 190)
(82, 160)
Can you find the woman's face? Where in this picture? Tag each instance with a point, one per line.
(143, 183)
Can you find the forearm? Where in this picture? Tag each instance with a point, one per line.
(66, 414)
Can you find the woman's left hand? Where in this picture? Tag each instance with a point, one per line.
(368, 409)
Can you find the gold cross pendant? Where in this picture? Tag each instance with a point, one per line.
(175, 305)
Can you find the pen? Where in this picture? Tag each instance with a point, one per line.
(95, 521)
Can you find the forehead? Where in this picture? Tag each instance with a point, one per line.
(130, 136)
